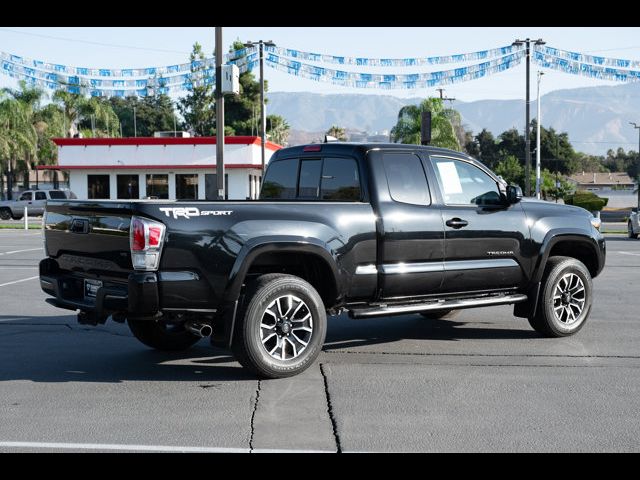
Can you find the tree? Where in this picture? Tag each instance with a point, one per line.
(242, 112)
(98, 119)
(18, 137)
(407, 130)
(510, 170)
(488, 148)
(154, 113)
(337, 132)
(277, 129)
(197, 107)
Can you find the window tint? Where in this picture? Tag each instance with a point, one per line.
(186, 186)
(309, 178)
(98, 186)
(464, 184)
(128, 187)
(280, 181)
(340, 180)
(406, 178)
(58, 195)
(26, 196)
(41, 196)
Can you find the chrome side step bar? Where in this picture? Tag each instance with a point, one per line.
(452, 304)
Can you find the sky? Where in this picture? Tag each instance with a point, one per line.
(110, 47)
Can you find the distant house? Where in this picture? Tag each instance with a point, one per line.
(618, 187)
(599, 181)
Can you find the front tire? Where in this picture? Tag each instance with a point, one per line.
(281, 326)
(164, 337)
(5, 214)
(565, 298)
(630, 231)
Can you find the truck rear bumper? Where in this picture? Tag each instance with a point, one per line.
(137, 296)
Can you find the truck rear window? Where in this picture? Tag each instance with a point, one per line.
(57, 195)
(330, 179)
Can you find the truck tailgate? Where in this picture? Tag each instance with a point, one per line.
(89, 237)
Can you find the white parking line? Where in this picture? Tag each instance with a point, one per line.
(19, 281)
(20, 251)
(145, 448)
(629, 253)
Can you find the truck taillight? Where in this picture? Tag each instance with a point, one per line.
(146, 237)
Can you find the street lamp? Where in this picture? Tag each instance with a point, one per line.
(527, 153)
(539, 123)
(263, 119)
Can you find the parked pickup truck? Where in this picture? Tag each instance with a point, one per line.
(372, 229)
(34, 200)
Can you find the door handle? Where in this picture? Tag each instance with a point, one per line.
(456, 223)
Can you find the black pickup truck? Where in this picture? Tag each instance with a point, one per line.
(373, 229)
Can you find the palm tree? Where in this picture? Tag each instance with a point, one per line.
(18, 137)
(407, 130)
(337, 132)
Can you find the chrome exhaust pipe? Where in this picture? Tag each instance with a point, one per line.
(200, 329)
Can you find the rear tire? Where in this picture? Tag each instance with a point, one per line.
(167, 338)
(630, 231)
(565, 298)
(441, 314)
(281, 326)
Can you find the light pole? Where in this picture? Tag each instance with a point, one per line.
(539, 123)
(219, 118)
(527, 138)
(636, 126)
(263, 119)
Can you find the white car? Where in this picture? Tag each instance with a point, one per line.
(34, 200)
(633, 226)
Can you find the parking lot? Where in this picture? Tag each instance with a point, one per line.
(484, 381)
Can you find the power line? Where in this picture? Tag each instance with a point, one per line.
(112, 45)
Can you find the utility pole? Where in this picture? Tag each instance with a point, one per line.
(527, 137)
(539, 125)
(263, 120)
(219, 117)
(636, 126)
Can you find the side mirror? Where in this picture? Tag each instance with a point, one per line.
(514, 194)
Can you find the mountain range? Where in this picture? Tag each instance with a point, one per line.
(596, 118)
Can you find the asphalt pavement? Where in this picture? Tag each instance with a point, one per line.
(482, 382)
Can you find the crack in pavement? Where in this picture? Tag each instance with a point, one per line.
(334, 425)
(253, 416)
(494, 355)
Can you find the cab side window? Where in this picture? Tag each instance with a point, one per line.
(406, 178)
(465, 184)
(41, 196)
(26, 197)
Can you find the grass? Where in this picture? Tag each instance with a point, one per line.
(19, 227)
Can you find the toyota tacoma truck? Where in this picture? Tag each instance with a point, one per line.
(375, 230)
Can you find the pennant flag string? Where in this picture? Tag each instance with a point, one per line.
(579, 57)
(393, 62)
(382, 81)
(585, 69)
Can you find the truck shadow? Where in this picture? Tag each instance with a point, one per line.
(33, 348)
(344, 333)
(37, 349)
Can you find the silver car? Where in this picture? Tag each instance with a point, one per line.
(34, 200)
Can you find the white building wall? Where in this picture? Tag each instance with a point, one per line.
(157, 155)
